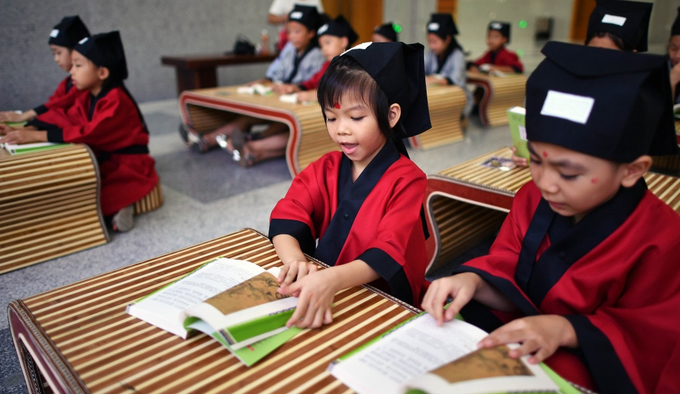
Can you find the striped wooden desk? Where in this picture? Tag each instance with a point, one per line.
(499, 94)
(468, 202)
(79, 339)
(206, 109)
(49, 205)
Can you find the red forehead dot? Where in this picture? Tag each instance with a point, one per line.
(337, 105)
(545, 154)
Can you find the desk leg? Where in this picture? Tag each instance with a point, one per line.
(196, 78)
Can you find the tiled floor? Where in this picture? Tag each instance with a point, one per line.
(206, 195)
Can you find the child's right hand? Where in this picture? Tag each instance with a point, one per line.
(519, 161)
(461, 287)
(295, 270)
(10, 116)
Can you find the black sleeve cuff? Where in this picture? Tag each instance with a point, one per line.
(41, 109)
(302, 88)
(55, 135)
(295, 229)
(391, 271)
(600, 357)
(450, 81)
(517, 69)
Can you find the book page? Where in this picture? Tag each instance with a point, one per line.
(413, 349)
(164, 308)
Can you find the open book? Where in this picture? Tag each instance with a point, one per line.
(234, 301)
(17, 149)
(419, 357)
(518, 131)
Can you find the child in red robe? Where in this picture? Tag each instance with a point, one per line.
(498, 57)
(583, 271)
(107, 119)
(63, 38)
(363, 204)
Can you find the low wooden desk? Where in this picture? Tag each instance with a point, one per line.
(49, 205)
(207, 109)
(78, 338)
(499, 95)
(468, 202)
(200, 71)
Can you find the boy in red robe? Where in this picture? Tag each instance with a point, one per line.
(63, 38)
(584, 270)
(107, 119)
(498, 57)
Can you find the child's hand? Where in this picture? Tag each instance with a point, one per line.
(295, 269)
(306, 96)
(4, 129)
(286, 88)
(519, 161)
(10, 116)
(315, 300)
(435, 80)
(22, 136)
(538, 335)
(474, 68)
(461, 287)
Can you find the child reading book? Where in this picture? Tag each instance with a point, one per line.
(63, 37)
(335, 37)
(107, 119)
(363, 204)
(621, 25)
(580, 272)
(498, 57)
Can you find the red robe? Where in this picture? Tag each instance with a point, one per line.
(621, 293)
(375, 219)
(59, 102)
(313, 82)
(118, 136)
(502, 57)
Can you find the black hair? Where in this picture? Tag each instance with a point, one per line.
(346, 77)
(622, 45)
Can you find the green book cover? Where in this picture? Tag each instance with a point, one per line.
(516, 117)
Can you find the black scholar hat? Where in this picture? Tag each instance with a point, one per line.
(68, 32)
(339, 27)
(501, 27)
(613, 105)
(628, 20)
(105, 50)
(306, 15)
(442, 25)
(387, 30)
(675, 29)
(399, 70)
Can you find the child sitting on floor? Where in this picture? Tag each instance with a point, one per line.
(583, 271)
(363, 204)
(64, 36)
(498, 58)
(107, 119)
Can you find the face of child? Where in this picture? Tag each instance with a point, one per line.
(495, 40)
(353, 127)
(573, 183)
(84, 73)
(603, 42)
(62, 56)
(332, 46)
(674, 49)
(437, 44)
(299, 35)
(375, 37)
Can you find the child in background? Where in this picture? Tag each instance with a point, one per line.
(498, 58)
(64, 36)
(445, 61)
(583, 271)
(621, 25)
(387, 32)
(335, 37)
(299, 60)
(107, 119)
(364, 204)
(278, 15)
(674, 57)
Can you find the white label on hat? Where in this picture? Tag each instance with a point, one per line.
(296, 15)
(322, 29)
(496, 26)
(81, 42)
(54, 33)
(363, 45)
(568, 106)
(613, 19)
(434, 26)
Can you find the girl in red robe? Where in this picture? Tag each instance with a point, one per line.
(583, 271)
(363, 205)
(107, 119)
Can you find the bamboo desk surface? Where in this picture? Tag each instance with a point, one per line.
(80, 339)
(499, 95)
(206, 109)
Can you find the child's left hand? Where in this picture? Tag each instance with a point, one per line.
(538, 335)
(286, 88)
(21, 136)
(317, 291)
